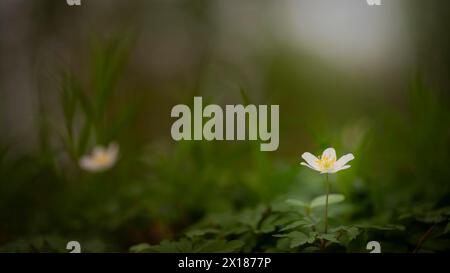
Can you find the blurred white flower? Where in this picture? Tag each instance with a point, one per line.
(101, 158)
(327, 163)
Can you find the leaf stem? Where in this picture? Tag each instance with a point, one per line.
(326, 205)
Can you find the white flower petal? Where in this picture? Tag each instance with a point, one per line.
(113, 150)
(343, 160)
(330, 153)
(304, 164)
(88, 164)
(101, 159)
(311, 160)
(335, 170)
(85, 162)
(328, 162)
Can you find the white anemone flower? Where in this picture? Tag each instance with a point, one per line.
(328, 162)
(101, 159)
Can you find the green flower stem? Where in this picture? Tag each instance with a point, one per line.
(326, 205)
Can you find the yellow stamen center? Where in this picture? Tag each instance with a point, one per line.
(102, 158)
(326, 163)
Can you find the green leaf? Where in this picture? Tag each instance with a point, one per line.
(311, 249)
(329, 237)
(305, 222)
(352, 233)
(251, 217)
(297, 238)
(201, 232)
(238, 230)
(321, 200)
(346, 234)
(269, 224)
(295, 225)
(140, 248)
(312, 237)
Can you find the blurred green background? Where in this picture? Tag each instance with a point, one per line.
(373, 81)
